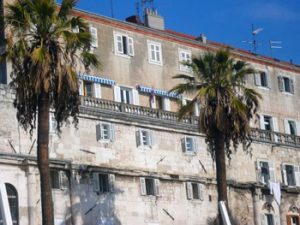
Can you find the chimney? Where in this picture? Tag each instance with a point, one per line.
(202, 38)
(134, 19)
(153, 20)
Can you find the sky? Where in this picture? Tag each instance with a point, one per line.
(225, 21)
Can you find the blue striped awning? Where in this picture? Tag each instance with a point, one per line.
(96, 79)
(163, 93)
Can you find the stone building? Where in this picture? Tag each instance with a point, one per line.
(132, 162)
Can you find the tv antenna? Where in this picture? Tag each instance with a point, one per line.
(142, 4)
(112, 8)
(254, 42)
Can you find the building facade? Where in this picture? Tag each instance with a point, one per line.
(131, 161)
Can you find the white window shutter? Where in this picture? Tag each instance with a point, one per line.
(111, 181)
(130, 46)
(112, 132)
(143, 186)
(94, 34)
(97, 90)
(264, 220)
(136, 97)
(81, 88)
(98, 132)
(63, 180)
(275, 124)
(287, 126)
(156, 185)
(269, 80)
(183, 144)
(297, 175)
(258, 168)
(189, 190)
(292, 86)
(151, 138)
(284, 178)
(201, 191)
(298, 128)
(96, 186)
(117, 93)
(257, 79)
(271, 171)
(277, 219)
(195, 145)
(118, 43)
(196, 109)
(280, 83)
(152, 101)
(262, 122)
(138, 136)
(166, 104)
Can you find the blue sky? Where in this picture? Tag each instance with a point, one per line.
(224, 21)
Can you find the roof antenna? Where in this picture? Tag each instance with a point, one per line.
(274, 45)
(112, 8)
(254, 42)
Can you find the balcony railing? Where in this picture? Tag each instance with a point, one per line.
(166, 118)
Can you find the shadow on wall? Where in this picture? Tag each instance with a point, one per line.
(95, 208)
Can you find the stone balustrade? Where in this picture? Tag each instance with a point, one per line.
(172, 118)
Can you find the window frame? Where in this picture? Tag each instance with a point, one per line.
(62, 180)
(284, 83)
(157, 53)
(13, 201)
(99, 187)
(101, 129)
(182, 59)
(192, 187)
(155, 186)
(184, 144)
(296, 175)
(128, 45)
(141, 135)
(94, 34)
(271, 171)
(259, 81)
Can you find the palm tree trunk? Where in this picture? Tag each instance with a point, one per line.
(43, 158)
(221, 170)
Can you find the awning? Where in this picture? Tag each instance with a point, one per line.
(163, 93)
(96, 79)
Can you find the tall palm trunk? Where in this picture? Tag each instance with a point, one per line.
(43, 158)
(221, 170)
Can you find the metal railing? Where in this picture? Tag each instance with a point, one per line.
(146, 112)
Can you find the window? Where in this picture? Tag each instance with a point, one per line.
(261, 79)
(144, 138)
(291, 127)
(265, 171)
(270, 219)
(90, 89)
(196, 111)
(286, 84)
(189, 145)
(194, 190)
(149, 186)
(123, 44)
(12, 196)
(59, 179)
(126, 95)
(103, 183)
(154, 53)
(185, 56)
(293, 220)
(291, 175)
(267, 122)
(94, 35)
(105, 131)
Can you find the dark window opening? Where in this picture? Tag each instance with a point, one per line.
(103, 183)
(150, 186)
(290, 176)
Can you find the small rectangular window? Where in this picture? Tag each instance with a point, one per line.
(103, 183)
(88, 88)
(59, 179)
(290, 175)
(144, 138)
(194, 190)
(185, 56)
(94, 34)
(189, 145)
(126, 95)
(123, 44)
(149, 186)
(105, 132)
(286, 84)
(267, 123)
(154, 53)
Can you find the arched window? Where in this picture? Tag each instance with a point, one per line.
(12, 196)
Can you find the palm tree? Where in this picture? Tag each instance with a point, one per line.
(47, 47)
(227, 106)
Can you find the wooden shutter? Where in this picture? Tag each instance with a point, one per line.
(130, 46)
(196, 109)
(262, 122)
(195, 145)
(257, 79)
(201, 191)
(287, 126)
(297, 175)
(135, 95)
(98, 132)
(143, 186)
(94, 34)
(292, 86)
(111, 132)
(280, 83)
(118, 43)
(275, 124)
(284, 178)
(271, 171)
(289, 219)
(166, 104)
(138, 136)
(151, 138)
(189, 190)
(297, 128)
(63, 180)
(111, 182)
(269, 81)
(81, 88)
(258, 168)
(96, 185)
(264, 220)
(117, 93)
(97, 90)
(183, 144)
(156, 187)
(276, 219)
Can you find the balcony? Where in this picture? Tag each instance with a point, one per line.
(132, 113)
